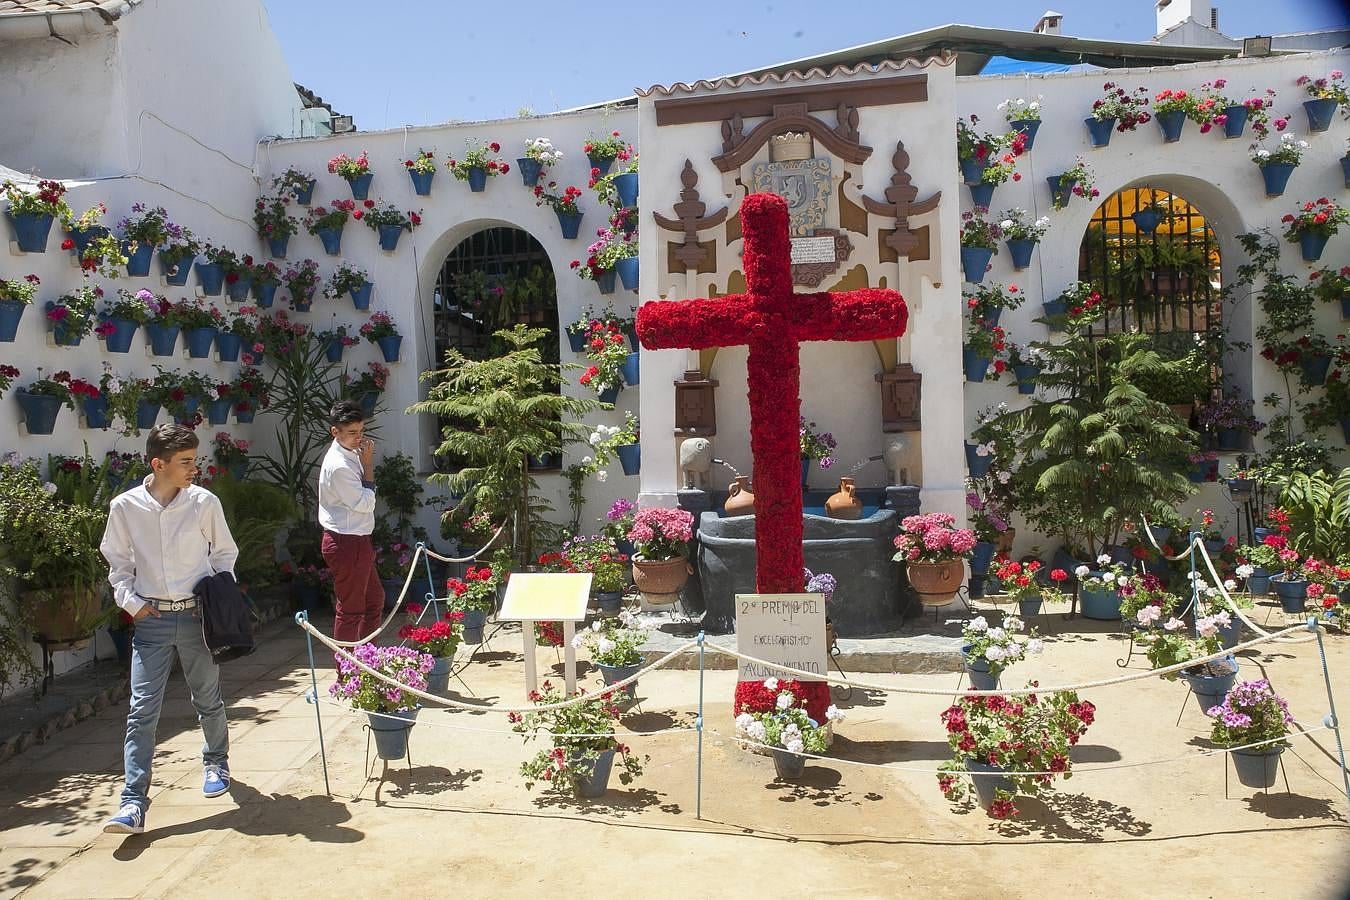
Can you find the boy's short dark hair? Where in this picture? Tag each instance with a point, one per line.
(346, 412)
(166, 440)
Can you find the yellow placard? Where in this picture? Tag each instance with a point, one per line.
(546, 596)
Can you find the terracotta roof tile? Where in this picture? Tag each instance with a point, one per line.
(113, 8)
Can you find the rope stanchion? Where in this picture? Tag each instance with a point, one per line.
(943, 692)
(485, 707)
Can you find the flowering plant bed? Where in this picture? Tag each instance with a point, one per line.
(1107, 578)
(931, 537)
(762, 697)
(1001, 645)
(1019, 734)
(349, 167)
(577, 734)
(1321, 216)
(404, 665)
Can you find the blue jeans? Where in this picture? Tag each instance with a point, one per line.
(152, 649)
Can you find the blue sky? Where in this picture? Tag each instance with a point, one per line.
(398, 62)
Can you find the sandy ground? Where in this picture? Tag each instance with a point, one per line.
(459, 820)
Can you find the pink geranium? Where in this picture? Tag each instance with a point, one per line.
(931, 537)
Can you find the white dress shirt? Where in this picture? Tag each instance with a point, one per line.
(346, 505)
(161, 552)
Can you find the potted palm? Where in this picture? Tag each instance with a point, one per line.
(787, 730)
(583, 744)
(391, 710)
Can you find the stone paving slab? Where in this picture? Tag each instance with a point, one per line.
(911, 654)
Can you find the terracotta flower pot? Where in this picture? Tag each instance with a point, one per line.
(64, 614)
(936, 583)
(660, 576)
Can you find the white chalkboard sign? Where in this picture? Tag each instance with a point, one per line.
(788, 629)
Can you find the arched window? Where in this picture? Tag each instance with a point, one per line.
(493, 279)
(1161, 281)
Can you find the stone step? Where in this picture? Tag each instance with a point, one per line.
(908, 654)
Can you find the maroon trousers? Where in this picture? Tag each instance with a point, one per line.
(356, 584)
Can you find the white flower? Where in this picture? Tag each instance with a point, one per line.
(605, 645)
(1206, 627)
(1003, 105)
(994, 653)
(578, 639)
(997, 634)
(1104, 559)
(1035, 646)
(978, 624)
(743, 721)
(1082, 571)
(755, 731)
(1004, 476)
(595, 626)
(784, 700)
(791, 729)
(1012, 623)
(834, 714)
(982, 450)
(1109, 577)
(1006, 224)
(587, 460)
(1230, 585)
(1243, 571)
(1043, 222)
(596, 437)
(770, 684)
(49, 488)
(1173, 624)
(794, 746)
(12, 458)
(602, 476)
(1148, 615)
(1223, 618)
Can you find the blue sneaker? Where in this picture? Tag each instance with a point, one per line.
(215, 780)
(130, 819)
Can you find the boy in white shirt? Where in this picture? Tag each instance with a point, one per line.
(347, 516)
(163, 537)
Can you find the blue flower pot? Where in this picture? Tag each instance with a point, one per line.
(228, 346)
(163, 339)
(138, 259)
(1345, 175)
(610, 602)
(1314, 369)
(633, 342)
(988, 785)
(332, 350)
(1319, 114)
(975, 586)
(529, 170)
(1054, 311)
(1029, 127)
(238, 470)
(421, 182)
(1229, 637)
(1345, 429)
(1099, 130)
(570, 223)
(62, 332)
(276, 247)
(577, 341)
(389, 235)
(609, 394)
(81, 238)
(200, 341)
(626, 186)
(615, 674)
(630, 457)
(244, 416)
(1101, 605)
(977, 465)
(301, 302)
(1020, 249)
(1028, 608)
(361, 185)
(1257, 767)
(1171, 124)
(1207, 470)
(39, 411)
(1210, 690)
(982, 194)
(1293, 593)
(438, 679)
(211, 277)
(978, 674)
(189, 411)
(1241, 487)
(1235, 121)
(331, 238)
(368, 401)
(95, 412)
(474, 620)
(218, 411)
(238, 289)
(11, 311)
(975, 366)
(994, 316)
(31, 231)
(806, 469)
(630, 369)
(176, 272)
(605, 281)
(389, 346)
(146, 414)
(391, 729)
(304, 195)
(595, 781)
(601, 164)
(1061, 189)
(1311, 244)
(1259, 581)
(120, 339)
(972, 171)
(628, 272)
(1276, 177)
(361, 295)
(974, 263)
(1147, 220)
(982, 557)
(1026, 378)
(477, 179)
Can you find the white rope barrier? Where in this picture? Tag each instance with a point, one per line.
(1004, 774)
(398, 605)
(1105, 682)
(472, 558)
(487, 707)
(454, 727)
